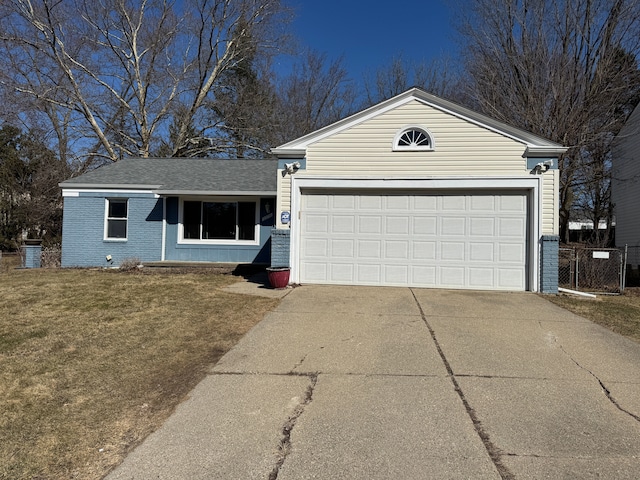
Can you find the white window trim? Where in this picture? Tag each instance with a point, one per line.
(183, 241)
(106, 238)
(415, 148)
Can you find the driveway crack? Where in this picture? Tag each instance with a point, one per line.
(604, 388)
(284, 446)
(494, 452)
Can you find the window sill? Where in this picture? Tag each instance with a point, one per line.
(250, 243)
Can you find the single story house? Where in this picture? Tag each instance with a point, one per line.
(414, 191)
(170, 209)
(625, 187)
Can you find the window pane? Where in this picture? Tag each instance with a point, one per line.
(116, 229)
(191, 220)
(219, 221)
(117, 209)
(246, 221)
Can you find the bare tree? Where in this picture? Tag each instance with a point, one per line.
(115, 72)
(315, 94)
(563, 69)
(435, 77)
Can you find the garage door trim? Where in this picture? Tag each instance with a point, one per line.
(423, 185)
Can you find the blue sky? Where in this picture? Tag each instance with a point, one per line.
(369, 34)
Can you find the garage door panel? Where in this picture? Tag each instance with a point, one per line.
(453, 226)
(370, 224)
(424, 275)
(343, 224)
(425, 225)
(397, 226)
(342, 273)
(452, 277)
(343, 202)
(369, 274)
(316, 223)
(396, 274)
(454, 203)
(369, 249)
(342, 248)
(511, 227)
(481, 278)
(507, 278)
(396, 250)
(397, 202)
(481, 252)
(511, 252)
(316, 248)
(428, 203)
(483, 203)
(453, 251)
(370, 202)
(439, 240)
(482, 226)
(512, 203)
(424, 250)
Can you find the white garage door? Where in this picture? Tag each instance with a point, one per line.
(447, 240)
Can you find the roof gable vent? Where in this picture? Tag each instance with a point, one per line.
(413, 138)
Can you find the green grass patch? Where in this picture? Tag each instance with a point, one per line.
(92, 361)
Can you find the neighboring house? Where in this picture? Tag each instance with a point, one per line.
(170, 209)
(625, 186)
(418, 191)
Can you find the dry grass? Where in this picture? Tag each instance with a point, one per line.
(92, 361)
(620, 313)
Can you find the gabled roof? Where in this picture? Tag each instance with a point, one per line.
(536, 146)
(173, 176)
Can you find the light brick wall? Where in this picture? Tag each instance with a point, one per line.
(83, 243)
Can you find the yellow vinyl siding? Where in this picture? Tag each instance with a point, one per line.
(461, 149)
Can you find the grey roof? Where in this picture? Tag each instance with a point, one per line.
(183, 175)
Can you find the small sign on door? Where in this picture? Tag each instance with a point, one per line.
(601, 255)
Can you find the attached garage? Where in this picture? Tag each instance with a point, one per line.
(420, 192)
(444, 239)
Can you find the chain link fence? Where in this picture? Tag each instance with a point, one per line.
(596, 270)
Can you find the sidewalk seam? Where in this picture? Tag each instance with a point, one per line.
(493, 451)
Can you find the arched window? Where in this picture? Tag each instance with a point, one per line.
(413, 138)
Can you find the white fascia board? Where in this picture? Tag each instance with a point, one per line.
(532, 184)
(104, 186)
(544, 151)
(215, 193)
(75, 192)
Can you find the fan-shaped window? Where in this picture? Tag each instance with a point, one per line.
(413, 138)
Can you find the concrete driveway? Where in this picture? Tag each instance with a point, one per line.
(396, 383)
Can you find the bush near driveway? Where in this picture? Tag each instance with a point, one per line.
(92, 361)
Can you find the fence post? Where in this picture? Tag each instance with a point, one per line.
(577, 268)
(623, 275)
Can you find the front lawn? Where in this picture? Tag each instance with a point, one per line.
(620, 313)
(92, 361)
